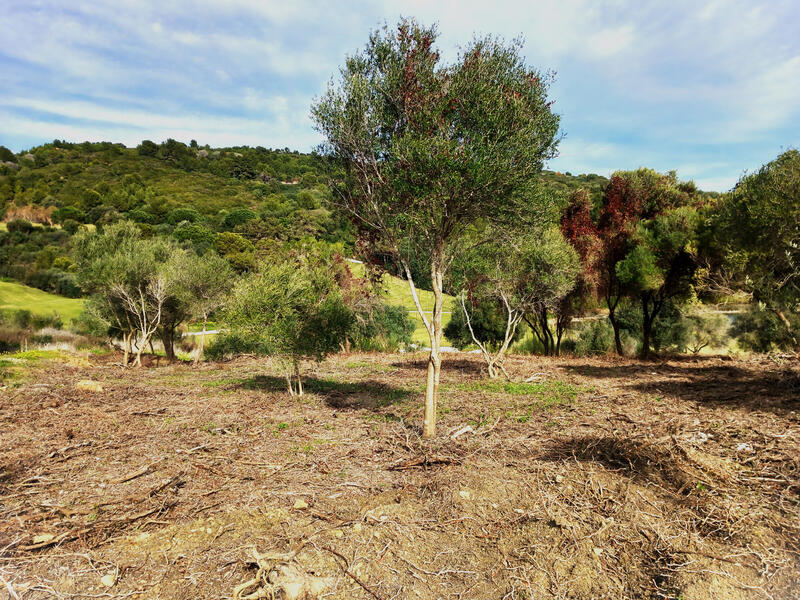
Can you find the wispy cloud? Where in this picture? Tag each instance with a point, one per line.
(712, 85)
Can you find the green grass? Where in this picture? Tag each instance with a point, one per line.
(397, 293)
(15, 296)
(549, 393)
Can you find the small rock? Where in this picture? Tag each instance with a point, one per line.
(337, 533)
(108, 580)
(465, 494)
(300, 504)
(597, 551)
(559, 478)
(744, 447)
(89, 386)
(42, 538)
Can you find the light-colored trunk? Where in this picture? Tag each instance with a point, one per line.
(435, 359)
(202, 341)
(297, 377)
(126, 342)
(434, 328)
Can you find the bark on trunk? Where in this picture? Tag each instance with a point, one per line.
(168, 340)
(615, 327)
(202, 341)
(434, 360)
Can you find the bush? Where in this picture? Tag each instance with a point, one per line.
(11, 338)
(706, 330)
(183, 214)
(761, 330)
(385, 328)
(238, 216)
(19, 226)
(488, 322)
(595, 337)
(670, 329)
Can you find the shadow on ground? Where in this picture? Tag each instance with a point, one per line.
(369, 395)
(725, 385)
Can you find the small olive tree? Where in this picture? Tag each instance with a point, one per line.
(292, 310)
(524, 272)
(427, 149)
(204, 284)
(129, 280)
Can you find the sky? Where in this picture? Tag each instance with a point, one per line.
(710, 89)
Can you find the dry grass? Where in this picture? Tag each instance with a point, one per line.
(601, 479)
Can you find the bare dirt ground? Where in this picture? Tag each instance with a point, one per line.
(600, 478)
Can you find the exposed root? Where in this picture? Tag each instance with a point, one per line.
(280, 577)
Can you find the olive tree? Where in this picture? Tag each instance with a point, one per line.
(524, 273)
(204, 284)
(290, 309)
(429, 148)
(129, 278)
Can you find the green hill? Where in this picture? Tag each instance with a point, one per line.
(15, 296)
(397, 293)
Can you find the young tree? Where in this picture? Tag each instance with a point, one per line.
(661, 265)
(525, 273)
(291, 309)
(428, 149)
(129, 279)
(203, 285)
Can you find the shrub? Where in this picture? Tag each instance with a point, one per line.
(183, 214)
(238, 216)
(761, 330)
(594, 337)
(670, 329)
(19, 226)
(706, 330)
(384, 328)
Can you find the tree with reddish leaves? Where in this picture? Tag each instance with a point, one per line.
(640, 246)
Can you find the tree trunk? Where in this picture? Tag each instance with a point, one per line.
(297, 377)
(647, 328)
(202, 341)
(126, 342)
(168, 340)
(434, 360)
(615, 326)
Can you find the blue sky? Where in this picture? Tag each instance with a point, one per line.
(711, 89)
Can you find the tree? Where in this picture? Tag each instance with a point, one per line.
(203, 285)
(523, 273)
(428, 149)
(129, 279)
(641, 245)
(661, 266)
(291, 309)
(760, 229)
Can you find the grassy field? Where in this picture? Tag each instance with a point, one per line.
(397, 293)
(603, 478)
(15, 296)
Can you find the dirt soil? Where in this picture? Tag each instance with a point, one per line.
(598, 478)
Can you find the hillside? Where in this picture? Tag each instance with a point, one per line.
(191, 193)
(14, 296)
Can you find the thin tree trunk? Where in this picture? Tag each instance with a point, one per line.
(297, 376)
(126, 342)
(434, 360)
(202, 341)
(647, 326)
(615, 326)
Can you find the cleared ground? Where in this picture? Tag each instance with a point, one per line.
(597, 479)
